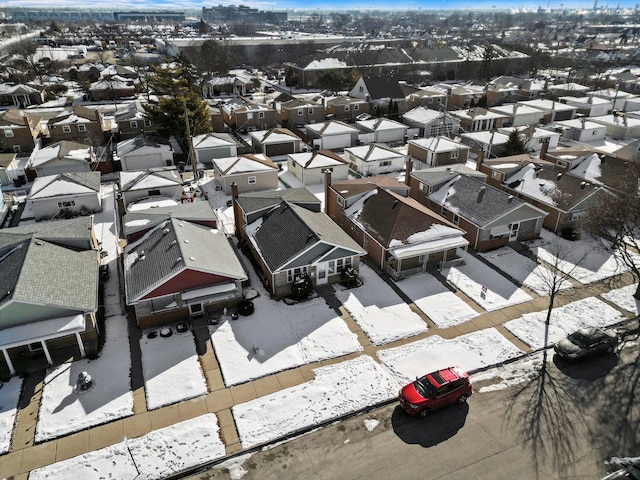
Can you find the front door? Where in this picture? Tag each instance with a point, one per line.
(513, 235)
(322, 273)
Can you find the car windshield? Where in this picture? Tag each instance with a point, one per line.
(579, 339)
(424, 387)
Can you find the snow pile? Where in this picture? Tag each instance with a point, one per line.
(379, 311)
(623, 297)
(588, 312)
(337, 390)
(171, 369)
(63, 412)
(437, 301)
(505, 376)
(370, 424)
(470, 352)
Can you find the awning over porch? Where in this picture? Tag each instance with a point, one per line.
(439, 245)
(42, 330)
(208, 291)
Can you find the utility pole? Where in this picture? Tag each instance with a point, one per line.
(191, 156)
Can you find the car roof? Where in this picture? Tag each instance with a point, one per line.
(446, 375)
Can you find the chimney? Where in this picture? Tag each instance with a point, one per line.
(481, 193)
(327, 184)
(237, 216)
(408, 170)
(480, 159)
(545, 147)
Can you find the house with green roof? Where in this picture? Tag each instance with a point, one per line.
(48, 292)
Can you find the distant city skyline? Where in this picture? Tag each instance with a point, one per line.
(323, 5)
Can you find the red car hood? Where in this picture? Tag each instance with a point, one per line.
(410, 395)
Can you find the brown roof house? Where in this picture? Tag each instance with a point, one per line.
(401, 236)
(81, 124)
(19, 131)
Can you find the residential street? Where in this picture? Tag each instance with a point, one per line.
(563, 424)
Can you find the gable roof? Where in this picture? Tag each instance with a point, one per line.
(36, 271)
(331, 127)
(380, 124)
(288, 230)
(244, 164)
(255, 201)
(79, 183)
(61, 232)
(374, 152)
(171, 247)
(438, 144)
(275, 135)
(139, 141)
(350, 188)
(438, 175)
(152, 178)
(383, 87)
(146, 219)
(64, 149)
(212, 140)
(317, 159)
(479, 203)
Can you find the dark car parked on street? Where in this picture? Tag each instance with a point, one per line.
(585, 343)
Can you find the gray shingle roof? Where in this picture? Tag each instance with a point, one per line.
(69, 233)
(40, 272)
(255, 201)
(173, 246)
(197, 211)
(289, 230)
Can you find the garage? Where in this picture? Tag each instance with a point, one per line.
(336, 141)
(279, 149)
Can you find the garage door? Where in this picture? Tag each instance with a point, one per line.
(279, 149)
(336, 141)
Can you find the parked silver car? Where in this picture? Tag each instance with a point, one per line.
(586, 342)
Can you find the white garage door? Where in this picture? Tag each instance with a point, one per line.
(336, 141)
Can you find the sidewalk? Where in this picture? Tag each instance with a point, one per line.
(25, 455)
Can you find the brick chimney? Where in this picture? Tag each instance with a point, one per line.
(408, 170)
(545, 147)
(479, 159)
(327, 184)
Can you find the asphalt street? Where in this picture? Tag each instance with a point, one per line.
(562, 424)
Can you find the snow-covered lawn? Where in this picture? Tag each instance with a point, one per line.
(584, 259)
(9, 397)
(336, 390)
(171, 368)
(278, 337)
(158, 454)
(440, 304)
(381, 313)
(523, 269)
(623, 297)
(473, 275)
(588, 312)
(470, 351)
(63, 412)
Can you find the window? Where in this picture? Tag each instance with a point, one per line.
(310, 111)
(195, 308)
(356, 108)
(16, 149)
(594, 132)
(422, 258)
(340, 200)
(147, 123)
(496, 175)
(346, 108)
(151, 193)
(261, 115)
(82, 128)
(331, 267)
(456, 219)
(66, 129)
(292, 274)
(133, 124)
(454, 154)
(8, 133)
(562, 163)
(300, 112)
(423, 187)
(385, 163)
(252, 180)
(67, 204)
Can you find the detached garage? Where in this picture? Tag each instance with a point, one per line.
(332, 135)
(278, 141)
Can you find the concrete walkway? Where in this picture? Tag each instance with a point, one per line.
(25, 455)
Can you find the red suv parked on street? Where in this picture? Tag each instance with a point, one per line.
(435, 390)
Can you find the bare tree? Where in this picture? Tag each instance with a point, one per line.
(555, 276)
(614, 221)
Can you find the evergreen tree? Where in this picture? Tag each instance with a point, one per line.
(176, 89)
(514, 145)
(291, 79)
